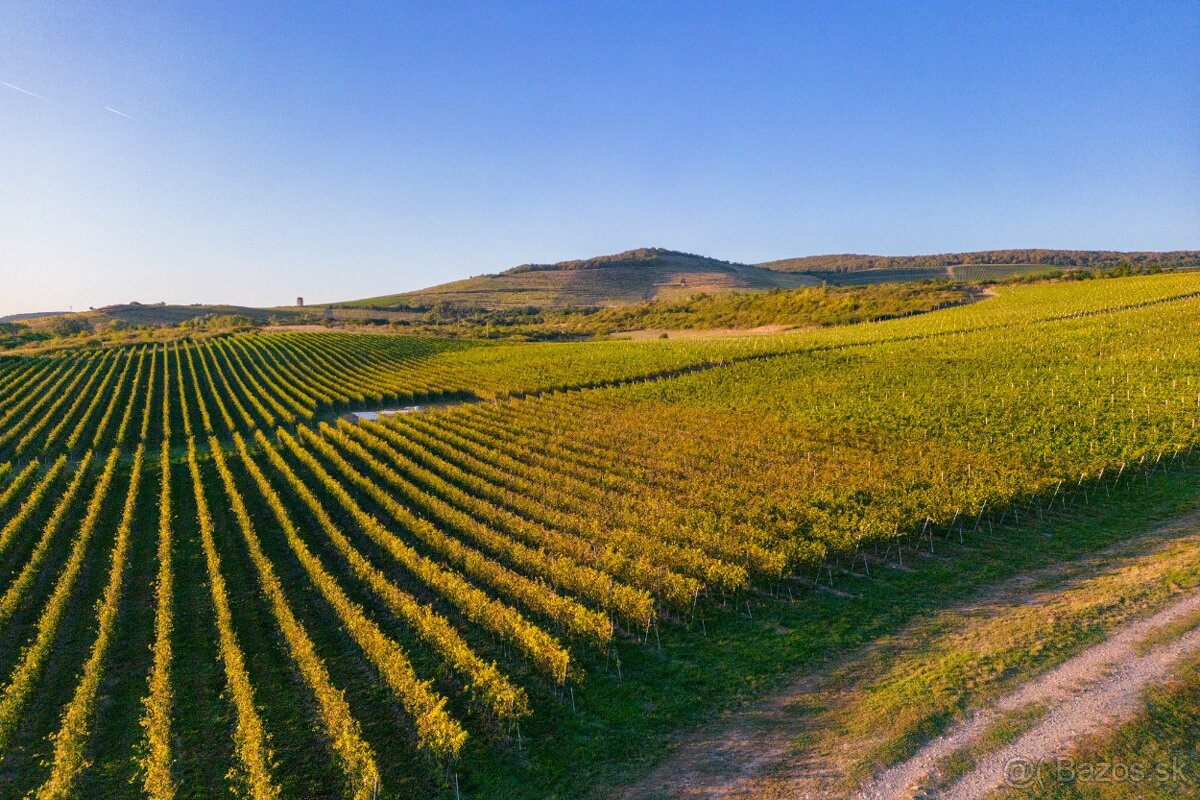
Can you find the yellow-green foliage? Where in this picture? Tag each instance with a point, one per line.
(493, 690)
(253, 771)
(156, 719)
(542, 648)
(572, 615)
(437, 731)
(23, 679)
(31, 501)
(471, 561)
(127, 415)
(356, 755)
(15, 592)
(633, 605)
(638, 572)
(72, 735)
(19, 481)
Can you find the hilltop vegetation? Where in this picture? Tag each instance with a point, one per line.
(653, 274)
(732, 310)
(779, 308)
(648, 288)
(1083, 259)
(847, 298)
(641, 257)
(133, 322)
(819, 305)
(162, 314)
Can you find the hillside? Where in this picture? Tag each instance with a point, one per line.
(630, 277)
(31, 315)
(131, 322)
(162, 314)
(1102, 259)
(655, 274)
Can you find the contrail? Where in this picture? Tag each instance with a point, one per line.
(22, 91)
(118, 113)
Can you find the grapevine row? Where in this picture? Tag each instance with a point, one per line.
(485, 681)
(69, 741)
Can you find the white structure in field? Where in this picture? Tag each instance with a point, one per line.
(357, 416)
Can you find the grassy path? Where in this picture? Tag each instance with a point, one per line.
(1093, 691)
(921, 709)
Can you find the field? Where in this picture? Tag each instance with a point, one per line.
(955, 272)
(1055, 259)
(211, 581)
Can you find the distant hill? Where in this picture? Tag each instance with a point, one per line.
(1095, 259)
(163, 314)
(648, 274)
(32, 315)
(633, 276)
(158, 314)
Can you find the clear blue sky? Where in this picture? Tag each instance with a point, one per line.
(353, 149)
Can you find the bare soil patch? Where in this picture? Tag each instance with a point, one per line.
(705, 333)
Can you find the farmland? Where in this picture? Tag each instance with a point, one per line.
(209, 580)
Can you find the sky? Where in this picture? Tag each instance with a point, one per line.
(251, 153)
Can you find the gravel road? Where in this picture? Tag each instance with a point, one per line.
(1092, 691)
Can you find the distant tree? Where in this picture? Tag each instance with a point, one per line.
(69, 326)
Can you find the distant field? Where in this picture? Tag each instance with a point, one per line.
(209, 581)
(1060, 259)
(156, 314)
(957, 272)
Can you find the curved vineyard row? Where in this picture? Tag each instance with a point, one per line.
(485, 681)
(254, 757)
(421, 592)
(71, 737)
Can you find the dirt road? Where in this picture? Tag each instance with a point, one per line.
(1084, 695)
(752, 753)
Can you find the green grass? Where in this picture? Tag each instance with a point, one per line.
(1168, 633)
(1003, 731)
(967, 660)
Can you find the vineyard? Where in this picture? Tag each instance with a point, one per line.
(210, 580)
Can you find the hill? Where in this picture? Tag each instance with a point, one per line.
(31, 315)
(134, 322)
(630, 277)
(654, 274)
(944, 262)
(160, 314)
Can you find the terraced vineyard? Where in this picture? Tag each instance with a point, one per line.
(208, 581)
